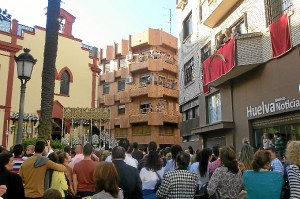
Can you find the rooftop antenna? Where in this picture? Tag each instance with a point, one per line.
(170, 19)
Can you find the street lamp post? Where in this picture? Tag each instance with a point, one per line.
(25, 63)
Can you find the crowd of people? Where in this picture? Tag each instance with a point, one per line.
(130, 173)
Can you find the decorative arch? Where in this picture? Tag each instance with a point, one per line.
(56, 75)
(61, 72)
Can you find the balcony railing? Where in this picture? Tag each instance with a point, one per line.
(155, 89)
(154, 117)
(154, 62)
(247, 54)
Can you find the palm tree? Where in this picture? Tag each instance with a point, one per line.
(48, 75)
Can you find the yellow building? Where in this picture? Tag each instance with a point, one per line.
(76, 75)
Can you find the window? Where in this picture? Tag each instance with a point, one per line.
(275, 9)
(190, 110)
(120, 133)
(106, 67)
(105, 88)
(205, 52)
(121, 85)
(121, 109)
(187, 26)
(141, 130)
(122, 63)
(189, 71)
(214, 108)
(145, 107)
(144, 80)
(65, 83)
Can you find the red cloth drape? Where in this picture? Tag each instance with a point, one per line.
(280, 36)
(215, 66)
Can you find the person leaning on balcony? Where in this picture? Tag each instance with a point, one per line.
(234, 32)
(227, 34)
(220, 41)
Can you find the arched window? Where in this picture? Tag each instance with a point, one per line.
(65, 83)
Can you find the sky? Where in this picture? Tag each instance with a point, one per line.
(113, 20)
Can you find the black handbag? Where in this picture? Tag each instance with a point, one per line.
(158, 183)
(201, 192)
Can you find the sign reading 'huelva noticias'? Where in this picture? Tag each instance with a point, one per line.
(280, 104)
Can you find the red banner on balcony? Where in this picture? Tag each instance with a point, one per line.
(280, 36)
(220, 63)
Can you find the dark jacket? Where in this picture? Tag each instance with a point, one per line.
(130, 180)
(14, 184)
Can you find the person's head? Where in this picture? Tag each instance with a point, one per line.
(234, 29)
(124, 143)
(266, 136)
(204, 157)
(118, 153)
(191, 150)
(73, 153)
(39, 146)
(245, 141)
(246, 156)
(6, 162)
(52, 194)
(130, 148)
(273, 152)
(276, 135)
(2, 149)
(182, 160)
(18, 150)
(67, 149)
(87, 149)
(30, 149)
(175, 149)
(261, 160)
(216, 150)
(227, 31)
(292, 152)
(152, 146)
(106, 178)
(78, 149)
(61, 157)
(228, 159)
(153, 161)
(135, 145)
(104, 155)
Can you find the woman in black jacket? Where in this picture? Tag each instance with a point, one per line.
(13, 182)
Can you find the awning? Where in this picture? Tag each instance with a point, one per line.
(26, 116)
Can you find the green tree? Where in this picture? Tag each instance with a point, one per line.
(48, 75)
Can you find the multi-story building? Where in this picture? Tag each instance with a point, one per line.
(138, 82)
(75, 76)
(246, 87)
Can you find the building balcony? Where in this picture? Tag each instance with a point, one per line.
(187, 126)
(123, 97)
(153, 90)
(122, 73)
(153, 118)
(154, 64)
(110, 77)
(215, 11)
(153, 37)
(122, 121)
(247, 51)
(109, 100)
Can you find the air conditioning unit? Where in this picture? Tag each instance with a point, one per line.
(128, 80)
(129, 57)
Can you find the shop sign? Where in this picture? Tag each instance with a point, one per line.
(4, 16)
(279, 104)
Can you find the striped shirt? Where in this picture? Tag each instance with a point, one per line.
(17, 164)
(294, 180)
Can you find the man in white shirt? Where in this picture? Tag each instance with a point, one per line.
(129, 160)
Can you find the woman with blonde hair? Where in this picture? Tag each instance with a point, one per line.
(106, 180)
(246, 157)
(226, 181)
(293, 171)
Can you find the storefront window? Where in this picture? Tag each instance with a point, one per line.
(214, 108)
(288, 132)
